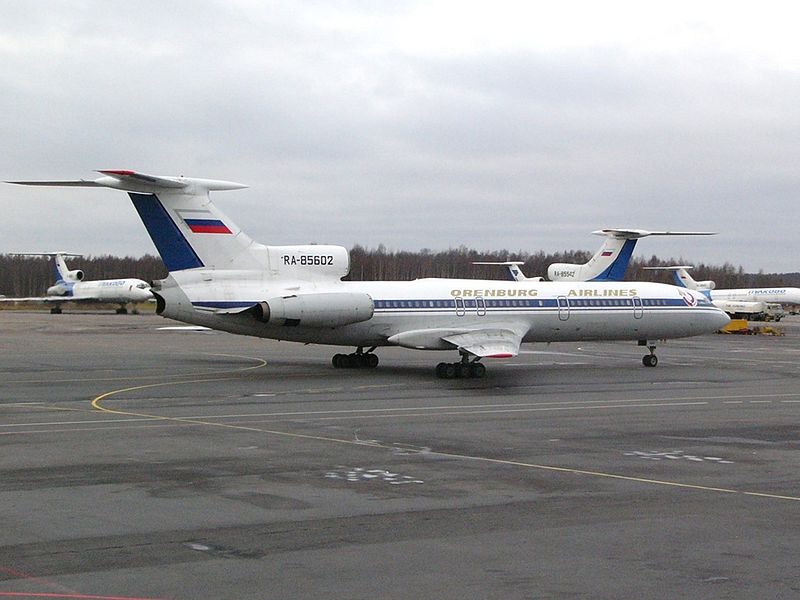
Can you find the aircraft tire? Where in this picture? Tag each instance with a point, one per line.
(372, 360)
(463, 370)
(650, 360)
(477, 370)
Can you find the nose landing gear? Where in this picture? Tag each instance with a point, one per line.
(649, 360)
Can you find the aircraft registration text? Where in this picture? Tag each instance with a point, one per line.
(308, 260)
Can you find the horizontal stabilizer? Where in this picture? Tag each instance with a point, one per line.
(514, 272)
(668, 268)
(53, 253)
(73, 183)
(133, 181)
(635, 234)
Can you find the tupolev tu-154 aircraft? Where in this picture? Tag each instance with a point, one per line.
(222, 279)
(70, 286)
(609, 263)
(741, 301)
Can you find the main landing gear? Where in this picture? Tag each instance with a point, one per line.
(356, 360)
(461, 370)
(649, 360)
(56, 310)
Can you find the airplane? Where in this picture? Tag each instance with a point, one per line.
(70, 286)
(741, 301)
(220, 278)
(609, 263)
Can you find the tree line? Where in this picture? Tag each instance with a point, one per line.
(31, 276)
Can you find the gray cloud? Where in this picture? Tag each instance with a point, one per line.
(348, 137)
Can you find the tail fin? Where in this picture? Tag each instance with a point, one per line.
(186, 228)
(62, 272)
(680, 274)
(190, 232)
(611, 261)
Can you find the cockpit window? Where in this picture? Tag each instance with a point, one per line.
(142, 286)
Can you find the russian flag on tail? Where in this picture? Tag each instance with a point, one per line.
(202, 221)
(207, 226)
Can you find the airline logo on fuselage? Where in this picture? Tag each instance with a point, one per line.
(495, 293)
(533, 293)
(604, 293)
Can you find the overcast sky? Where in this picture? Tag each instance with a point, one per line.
(517, 125)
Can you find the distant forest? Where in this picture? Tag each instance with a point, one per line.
(30, 276)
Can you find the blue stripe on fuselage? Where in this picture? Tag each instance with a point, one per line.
(175, 250)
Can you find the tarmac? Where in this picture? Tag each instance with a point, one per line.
(140, 462)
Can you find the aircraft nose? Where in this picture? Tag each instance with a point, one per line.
(720, 319)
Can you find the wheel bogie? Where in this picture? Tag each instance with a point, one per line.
(460, 370)
(355, 360)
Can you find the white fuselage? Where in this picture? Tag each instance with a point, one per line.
(103, 290)
(779, 295)
(404, 310)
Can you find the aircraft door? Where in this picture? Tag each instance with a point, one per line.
(460, 310)
(638, 308)
(563, 308)
(480, 306)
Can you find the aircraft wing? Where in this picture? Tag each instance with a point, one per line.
(487, 343)
(39, 299)
(59, 299)
(495, 340)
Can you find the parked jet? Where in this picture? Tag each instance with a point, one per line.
(609, 263)
(222, 279)
(70, 286)
(741, 301)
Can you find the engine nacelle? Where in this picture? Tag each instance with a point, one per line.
(315, 310)
(76, 275)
